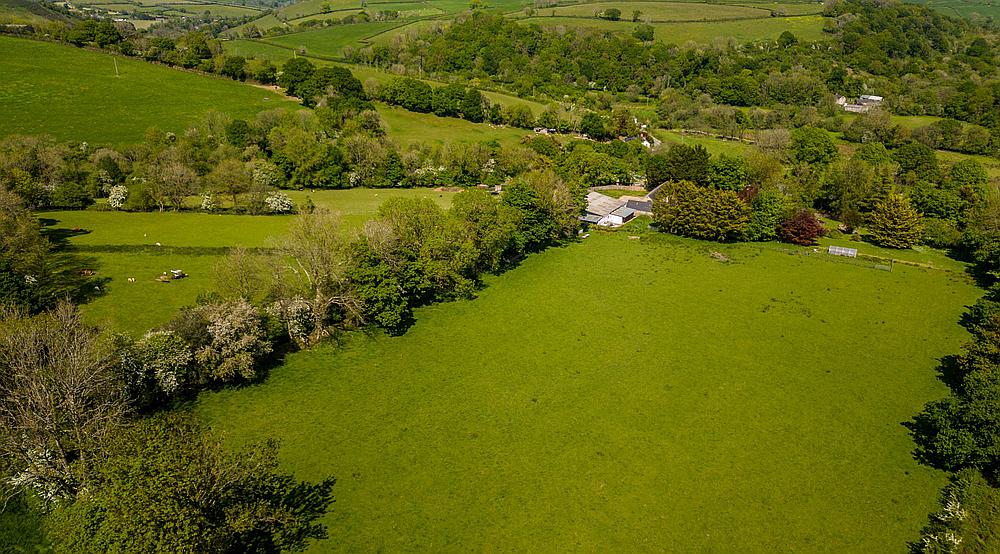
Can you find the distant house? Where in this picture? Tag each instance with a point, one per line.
(864, 104)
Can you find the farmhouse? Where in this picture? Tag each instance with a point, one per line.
(612, 212)
(865, 103)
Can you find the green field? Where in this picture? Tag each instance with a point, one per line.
(73, 94)
(408, 127)
(262, 51)
(121, 245)
(749, 406)
(661, 11)
(26, 12)
(808, 27)
(331, 41)
(714, 146)
(963, 8)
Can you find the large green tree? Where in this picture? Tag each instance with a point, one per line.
(894, 223)
(683, 208)
(813, 146)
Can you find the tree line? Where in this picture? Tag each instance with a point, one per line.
(897, 197)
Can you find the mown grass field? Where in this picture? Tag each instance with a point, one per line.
(73, 94)
(807, 27)
(121, 245)
(622, 395)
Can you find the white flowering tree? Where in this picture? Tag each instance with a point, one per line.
(279, 203)
(238, 341)
(166, 359)
(117, 195)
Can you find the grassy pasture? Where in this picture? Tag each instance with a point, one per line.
(660, 11)
(263, 51)
(408, 30)
(331, 41)
(749, 406)
(405, 127)
(808, 27)
(714, 146)
(120, 245)
(309, 7)
(963, 8)
(26, 12)
(73, 94)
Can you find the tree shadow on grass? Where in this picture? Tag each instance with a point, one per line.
(74, 276)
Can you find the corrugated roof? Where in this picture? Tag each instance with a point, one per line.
(623, 212)
(593, 219)
(640, 205)
(601, 205)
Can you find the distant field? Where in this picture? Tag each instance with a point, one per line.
(714, 146)
(26, 12)
(121, 245)
(73, 94)
(963, 8)
(752, 406)
(410, 30)
(808, 27)
(408, 127)
(262, 51)
(310, 7)
(332, 40)
(660, 11)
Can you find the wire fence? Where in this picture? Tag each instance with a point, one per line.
(862, 260)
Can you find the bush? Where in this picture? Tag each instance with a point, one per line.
(969, 519)
(941, 233)
(802, 228)
(767, 209)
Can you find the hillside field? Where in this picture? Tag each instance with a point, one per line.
(660, 11)
(806, 27)
(74, 94)
(626, 395)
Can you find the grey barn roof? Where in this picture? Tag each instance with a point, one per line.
(623, 212)
(600, 204)
(640, 205)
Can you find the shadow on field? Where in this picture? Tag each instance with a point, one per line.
(75, 276)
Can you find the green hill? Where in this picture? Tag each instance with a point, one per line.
(75, 94)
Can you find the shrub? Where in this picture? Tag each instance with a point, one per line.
(941, 233)
(117, 196)
(802, 228)
(767, 209)
(238, 341)
(279, 203)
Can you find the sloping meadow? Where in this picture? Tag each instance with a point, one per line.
(627, 395)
